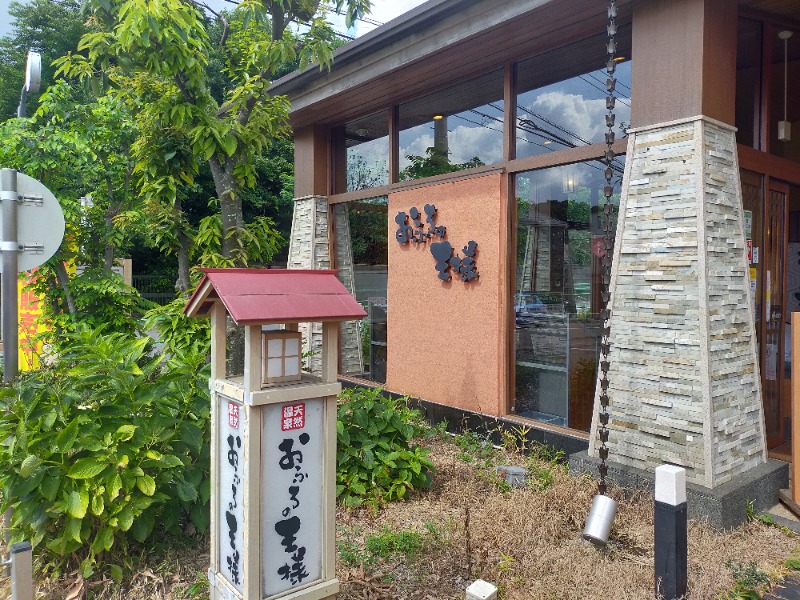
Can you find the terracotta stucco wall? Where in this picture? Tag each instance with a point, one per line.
(446, 340)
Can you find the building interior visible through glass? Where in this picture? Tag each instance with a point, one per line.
(559, 248)
(364, 224)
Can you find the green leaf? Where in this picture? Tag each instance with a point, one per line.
(201, 517)
(229, 144)
(73, 529)
(50, 485)
(146, 485)
(186, 491)
(125, 518)
(116, 573)
(114, 487)
(75, 506)
(107, 535)
(98, 505)
(191, 435)
(142, 526)
(86, 468)
(29, 465)
(66, 438)
(49, 420)
(170, 461)
(124, 433)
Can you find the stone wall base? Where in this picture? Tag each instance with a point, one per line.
(723, 507)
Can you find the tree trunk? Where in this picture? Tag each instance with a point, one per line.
(183, 284)
(63, 280)
(108, 259)
(230, 206)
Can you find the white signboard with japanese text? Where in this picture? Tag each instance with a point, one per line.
(231, 491)
(291, 511)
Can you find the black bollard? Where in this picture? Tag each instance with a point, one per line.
(671, 544)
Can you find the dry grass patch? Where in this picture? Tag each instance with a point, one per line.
(467, 526)
(527, 541)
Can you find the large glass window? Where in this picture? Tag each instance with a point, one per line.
(363, 149)
(452, 130)
(361, 242)
(566, 113)
(558, 291)
(748, 83)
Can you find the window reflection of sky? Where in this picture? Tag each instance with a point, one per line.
(368, 164)
(570, 113)
(551, 118)
(471, 133)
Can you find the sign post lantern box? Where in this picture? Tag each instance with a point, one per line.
(273, 440)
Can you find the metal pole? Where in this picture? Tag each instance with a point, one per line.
(23, 97)
(9, 248)
(22, 571)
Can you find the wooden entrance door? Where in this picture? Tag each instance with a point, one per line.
(774, 317)
(768, 272)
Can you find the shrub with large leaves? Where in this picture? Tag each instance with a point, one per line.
(104, 444)
(376, 461)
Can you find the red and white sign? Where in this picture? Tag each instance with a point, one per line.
(233, 415)
(293, 416)
(749, 251)
(599, 246)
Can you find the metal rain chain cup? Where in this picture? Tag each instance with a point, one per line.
(601, 515)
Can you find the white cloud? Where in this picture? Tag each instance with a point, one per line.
(464, 142)
(573, 112)
(468, 142)
(417, 147)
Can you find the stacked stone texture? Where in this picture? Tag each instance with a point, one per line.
(684, 383)
(309, 249)
(351, 355)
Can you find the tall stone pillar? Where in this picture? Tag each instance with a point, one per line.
(309, 248)
(684, 378)
(352, 359)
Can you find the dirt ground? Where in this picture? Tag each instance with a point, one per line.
(527, 541)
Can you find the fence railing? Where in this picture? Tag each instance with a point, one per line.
(156, 288)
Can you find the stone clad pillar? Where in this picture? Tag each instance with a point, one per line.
(684, 379)
(309, 248)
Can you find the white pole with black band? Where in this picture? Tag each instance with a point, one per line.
(671, 543)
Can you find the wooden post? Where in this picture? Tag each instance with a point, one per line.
(795, 483)
(670, 533)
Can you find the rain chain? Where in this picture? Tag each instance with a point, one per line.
(608, 223)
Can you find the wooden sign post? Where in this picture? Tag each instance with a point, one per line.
(273, 443)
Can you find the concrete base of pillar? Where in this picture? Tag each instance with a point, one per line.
(723, 507)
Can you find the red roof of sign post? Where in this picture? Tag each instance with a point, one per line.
(274, 296)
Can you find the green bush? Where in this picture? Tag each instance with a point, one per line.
(177, 332)
(375, 461)
(103, 445)
(101, 300)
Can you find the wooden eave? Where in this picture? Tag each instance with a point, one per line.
(444, 42)
(440, 43)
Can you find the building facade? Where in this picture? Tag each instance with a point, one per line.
(450, 165)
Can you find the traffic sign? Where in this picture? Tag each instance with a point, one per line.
(40, 224)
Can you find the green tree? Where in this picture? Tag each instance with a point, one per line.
(78, 149)
(435, 162)
(159, 52)
(50, 27)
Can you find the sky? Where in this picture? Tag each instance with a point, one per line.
(382, 11)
